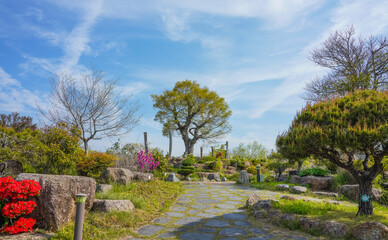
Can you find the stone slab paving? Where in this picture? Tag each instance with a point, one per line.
(215, 211)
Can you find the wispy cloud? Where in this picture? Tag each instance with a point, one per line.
(15, 98)
(74, 44)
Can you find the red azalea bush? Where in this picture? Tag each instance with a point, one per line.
(11, 207)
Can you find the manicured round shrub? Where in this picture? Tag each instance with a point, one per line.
(252, 170)
(189, 161)
(186, 170)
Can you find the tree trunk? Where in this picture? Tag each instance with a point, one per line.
(300, 164)
(365, 206)
(86, 149)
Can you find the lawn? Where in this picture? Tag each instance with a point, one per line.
(150, 199)
(328, 211)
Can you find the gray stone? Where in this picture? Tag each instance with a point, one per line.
(242, 224)
(243, 177)
(172, 178)
(315, 183)
(112, 205)
(200, 206)
(207, 230)
(254, 198)
(216, 223)
(262, 237)
(178, 209)
(334, 229)
(214, 210)
(168, 235)
(283, 186)
(56, 202)
(257, 231)
(260, 214)
(234, 198)
(262, 204)
(27, 236)
(223, 179)
(370, 231)
(117, 175)
(144, 177)
(326, 194)
(309, 224)
(233, 232)
(208, 201)
(352, 192)
(149, 230)
(196, 236)
(273, 213)
(233, 202)
(234, 216)
(225, 206)
(206, 215)
(188, 221)
(290, 220)
(175, 214)
(162, 220)
(184, 199)
(193, 211)
(103, 188)
(298, 189)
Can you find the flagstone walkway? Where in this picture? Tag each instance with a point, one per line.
(215, 211)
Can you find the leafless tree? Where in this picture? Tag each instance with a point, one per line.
(18, 123)
(92, 104)
(353, 63)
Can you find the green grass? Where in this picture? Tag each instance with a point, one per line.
(327, 211)
(150, 199)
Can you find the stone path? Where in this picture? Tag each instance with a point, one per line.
(215, 211)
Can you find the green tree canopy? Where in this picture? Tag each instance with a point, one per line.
(195, 112)
(345, 131)
(250, 151)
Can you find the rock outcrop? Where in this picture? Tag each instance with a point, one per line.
(56, 202)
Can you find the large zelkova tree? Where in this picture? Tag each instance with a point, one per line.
(195, 112)
(353, 63)
(349, 131)
(92, 104)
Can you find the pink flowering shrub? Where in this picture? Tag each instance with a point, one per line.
(146, 161)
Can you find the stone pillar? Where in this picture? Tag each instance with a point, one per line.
(227, 150)
(145, 141)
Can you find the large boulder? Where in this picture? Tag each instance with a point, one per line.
(352, 192)
(262, 204)
(334, 229)
(254, 198)
(283, 186)
(172, 178)
(10, 168)
(298, 189)
(141, 176)
(243, 177)
(209, 176)
(103, 188)
(117, 175)
(56, 202)
(113, 205)
(370, 231)
(315, 183)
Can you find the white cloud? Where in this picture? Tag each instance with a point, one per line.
(73, 44)
(7, 80)
(15, 98)
(133, 88)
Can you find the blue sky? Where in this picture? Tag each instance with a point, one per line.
(253, 53)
